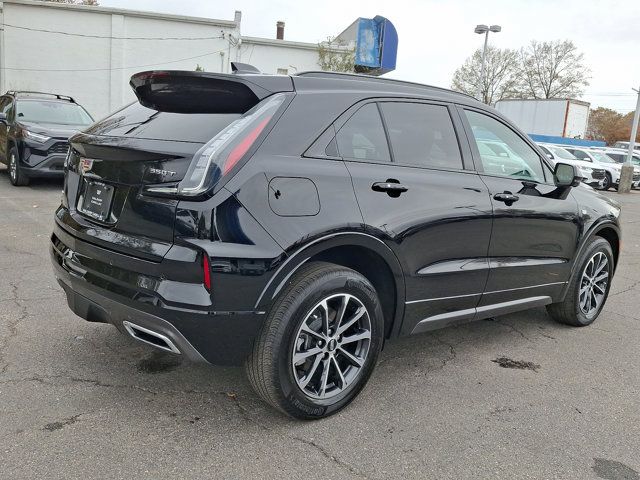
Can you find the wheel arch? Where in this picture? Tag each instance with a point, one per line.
(364, 253)
(612, 235)
(606, 229)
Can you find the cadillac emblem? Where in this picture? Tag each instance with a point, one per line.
(85, 165)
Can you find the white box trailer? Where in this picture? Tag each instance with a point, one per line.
(559, 117)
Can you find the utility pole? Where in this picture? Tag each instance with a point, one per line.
(626, 174)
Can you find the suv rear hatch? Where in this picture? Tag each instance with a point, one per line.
(127, 173)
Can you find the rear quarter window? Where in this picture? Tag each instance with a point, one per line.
(363, 137)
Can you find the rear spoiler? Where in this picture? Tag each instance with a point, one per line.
(180, 91)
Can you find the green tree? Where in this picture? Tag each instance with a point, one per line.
(335, 56)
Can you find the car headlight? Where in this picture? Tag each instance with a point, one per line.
(37, 137)
(585, 169)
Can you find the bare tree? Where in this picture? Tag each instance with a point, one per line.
(552, 69)
(335, 56)
(500, 79)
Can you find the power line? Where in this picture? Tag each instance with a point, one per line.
(107, 37)
(609, 94)
(109, 69)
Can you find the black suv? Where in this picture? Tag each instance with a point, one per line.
(34, 131)
(296, 223)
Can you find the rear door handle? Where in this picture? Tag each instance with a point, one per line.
(506, 197)
(389, 187)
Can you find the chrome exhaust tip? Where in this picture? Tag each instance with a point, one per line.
(150, 337)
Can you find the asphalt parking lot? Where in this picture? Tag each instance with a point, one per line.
(80, 400)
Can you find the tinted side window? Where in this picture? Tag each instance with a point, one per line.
(363, 137)
(422, 135)
(502, 151)
(580, 155)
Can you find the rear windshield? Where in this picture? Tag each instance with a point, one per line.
(60, 113)
(141, 122)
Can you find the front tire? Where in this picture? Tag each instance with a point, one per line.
(606, 184)
(589, 288)
(319, 344)
(16, 175)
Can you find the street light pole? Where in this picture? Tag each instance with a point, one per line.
(626, 174)
(480, 29)
(484, 56)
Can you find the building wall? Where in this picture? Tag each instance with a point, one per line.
(269, 56)
(96, 71)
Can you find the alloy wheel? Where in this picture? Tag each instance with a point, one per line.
(331, 346)
(593, 284)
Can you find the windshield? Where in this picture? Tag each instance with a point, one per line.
(562, 153)
(43, 111)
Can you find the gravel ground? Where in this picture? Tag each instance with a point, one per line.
(79, 400)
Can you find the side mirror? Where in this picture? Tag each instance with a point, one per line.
(566, 175)
(3, 118)
(550, 156)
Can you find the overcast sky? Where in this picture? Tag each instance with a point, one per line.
(436, 36)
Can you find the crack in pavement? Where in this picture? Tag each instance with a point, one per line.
(452, 350)
(50, 380)
(513, 328)
(244, 414)
(631, 287)
(12, 326)
(331, 457)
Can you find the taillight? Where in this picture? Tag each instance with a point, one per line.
(243, 147)
(206, 266)
(224, 151)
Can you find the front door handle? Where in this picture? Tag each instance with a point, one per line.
(389, 187)
(506, 197)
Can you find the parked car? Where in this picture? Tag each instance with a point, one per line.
(294, 224)
(620, 156)
(602, 160)
(34, 138)
(592, 175)
(625, 145)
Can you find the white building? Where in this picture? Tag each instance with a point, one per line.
(91, 52)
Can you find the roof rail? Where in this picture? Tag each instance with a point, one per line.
(33, 92)
(356, 76)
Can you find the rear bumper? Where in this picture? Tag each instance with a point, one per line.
(98, 289)
(94, 307)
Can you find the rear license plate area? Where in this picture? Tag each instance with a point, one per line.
(95, 201)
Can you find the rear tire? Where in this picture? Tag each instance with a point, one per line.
(589, 288)
(16, 175)
(309, 367)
